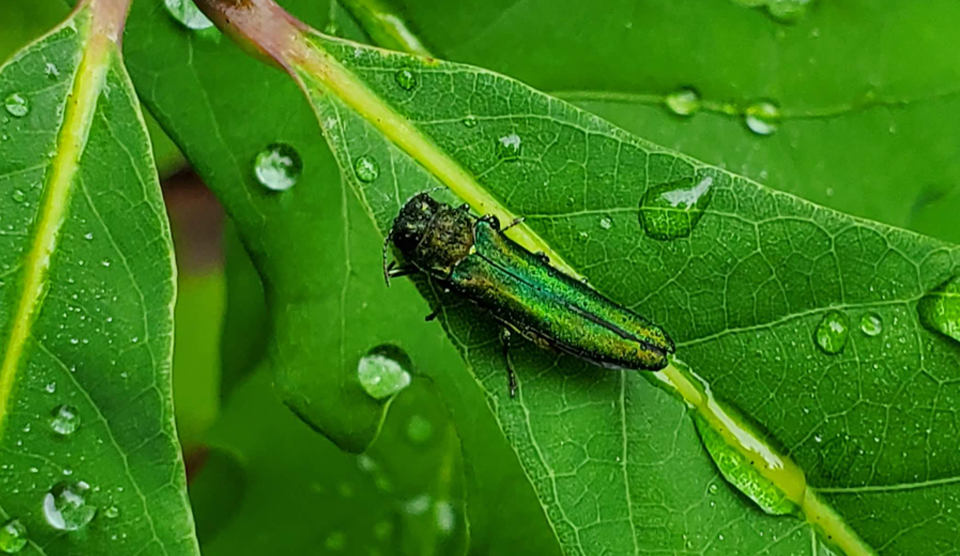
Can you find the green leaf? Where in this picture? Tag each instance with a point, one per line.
(268, 472)
(743, 293)
(320, 260)
(866, 129)
(86, 279)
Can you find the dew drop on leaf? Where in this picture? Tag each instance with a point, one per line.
(112, 512)
(871, 324)
(13, 536)
(671, 210)
(19, 196)
(940, 309)
(187, 13)
(606, 223)
(419, 429)
(335, 541)
(16, 105)
(65, 420)
(278, 167)
(683, 102)
(445, 517)
(383, 371)
(470, 121)
(367, 168)
(787, 11)
(762, 118)
(65, 507)
(832, 332)
(509, 146)
(382, 530)
(407, 79)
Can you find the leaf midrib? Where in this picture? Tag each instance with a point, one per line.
(58, 188)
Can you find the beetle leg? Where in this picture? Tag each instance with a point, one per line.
(516, 221)
(511, 375)
(432, 315)
(394, 271)
(383, 254)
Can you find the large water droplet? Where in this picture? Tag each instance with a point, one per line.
(871, 324)
(64, 420)
(832, 332)
(17, 105)
(672, 210)
(383, 371)
(470, 121)
(367, 168)
(278, 167)
(419, 429)
(65, 506)
(407, 79)
(762, 118)
(745, 469)
(683, 102)
(940, 309)
(509, 146)
(187, 13)
(13, 536)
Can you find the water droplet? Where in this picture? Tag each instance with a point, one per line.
(383, 371)
(13, 536)
(672, 210)
(683, 102)
(278, 167)
(112, 512)
(187, 13)
(417, 505)
(606, 223)
(50, 388)
(445, 517)
(871, 324)
(19, 196)
(407, 79)
(382, 530)
(65, 506)
(16, 105)
(787, 11)
(51, 71)
(419, 429)
(762, 118)
(713, 488)
(65, 420)
(367, 168)
(831, 334)
(335, 541)
(471, 121)
(940, 309)
(509, 146)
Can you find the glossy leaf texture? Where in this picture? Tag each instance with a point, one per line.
(88, 451)
(866, 108)
(327, 304)
(746, 291)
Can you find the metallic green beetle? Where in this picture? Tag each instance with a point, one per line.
(472, 258)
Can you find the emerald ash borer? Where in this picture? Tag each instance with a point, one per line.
(471, 257)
